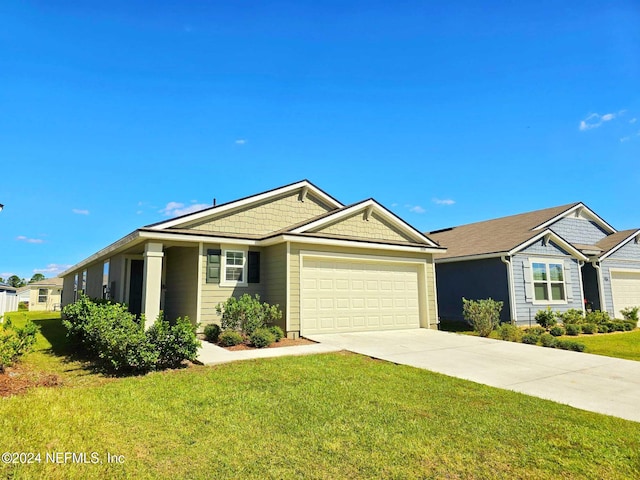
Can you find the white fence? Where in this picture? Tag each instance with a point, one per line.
(8, 302)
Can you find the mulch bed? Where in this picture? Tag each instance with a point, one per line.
(284, 342)
(17, 380)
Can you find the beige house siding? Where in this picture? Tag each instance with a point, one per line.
(181, 283)
(212, 293)
(275, 278)
(269, 216)
(53, 298)
(94, 280)
(375, 228)
(67, 289)
(116, 277)
(428, 308)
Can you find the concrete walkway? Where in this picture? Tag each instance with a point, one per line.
(590, 382)
(210, 354)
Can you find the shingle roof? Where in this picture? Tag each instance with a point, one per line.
(607, 243)
(495, 235)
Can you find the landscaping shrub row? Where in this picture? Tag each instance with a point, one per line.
(117, 340)
(574, 322)
(537, 336)
(15, 341)
(245, 320)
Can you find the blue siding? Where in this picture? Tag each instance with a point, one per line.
(630, 251)
(525, 310)
(578, 230)
(550, 249)
(473, 279)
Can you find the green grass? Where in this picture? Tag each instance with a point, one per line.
(323, 416)
(621, 344)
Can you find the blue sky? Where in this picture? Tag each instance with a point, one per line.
(118, 114)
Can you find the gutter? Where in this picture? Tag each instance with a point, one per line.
(512, 293)
(596, 265)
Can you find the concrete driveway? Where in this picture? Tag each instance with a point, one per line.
(590, 382)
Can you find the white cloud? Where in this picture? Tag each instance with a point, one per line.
(241, 141)
(625, 139)
(79, 211)
(633, 120)
(52, 269)
(417, 209)
(22, 238)
(394, 204)
(594, 120)
(443, 201)
(176, 209)
(6, 275)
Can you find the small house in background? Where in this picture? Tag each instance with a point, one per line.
(43, 295)
(561, 257)
(8, 299)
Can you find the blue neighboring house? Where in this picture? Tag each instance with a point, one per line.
(561, 257)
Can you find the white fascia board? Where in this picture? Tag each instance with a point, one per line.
(127, 241)
(466, 258)
(582, 206)
(183, 237)
(620, 245)
(248, 201)
(375, 207)
(573, 251)
(349, 243)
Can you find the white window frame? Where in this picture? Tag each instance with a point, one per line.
(46, 295)
(548, 281)
(223, 268)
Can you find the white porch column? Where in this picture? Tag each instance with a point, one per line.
(152, 282)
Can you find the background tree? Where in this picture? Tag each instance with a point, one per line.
(16, 282)
(37, 277)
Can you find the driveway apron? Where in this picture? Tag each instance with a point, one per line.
(591, 382)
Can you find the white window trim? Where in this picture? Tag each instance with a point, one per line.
(46, 295)
(548, 261)
(223, 268)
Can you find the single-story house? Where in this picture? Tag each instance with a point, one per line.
(562, 257)
(43, 295)
(330, 267)
(8, 299)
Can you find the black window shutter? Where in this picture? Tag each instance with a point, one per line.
(213, 266)
(254, 267)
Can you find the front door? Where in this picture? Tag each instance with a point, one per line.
(135, 286)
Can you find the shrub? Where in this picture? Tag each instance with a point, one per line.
(573, 329)
(548, 340)
(510, 333)
(262, 337)
(589, 328)
(629, 325)
(530, 338)
(212, 332)
(15, 342)
(174, 341)
(557, 331)
(229, 338)
(573, 316)
(247, 314)
(570, 345)
(277, 332)
(615, 326)
(482, 315)
(597, 317)
(22, 306)
(603, 328)
(546, 318)
(630, 313)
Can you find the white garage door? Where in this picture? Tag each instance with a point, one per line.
(625, 287)
(350, 296)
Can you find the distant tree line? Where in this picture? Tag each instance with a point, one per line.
(17, 282)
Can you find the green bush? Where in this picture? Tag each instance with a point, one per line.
(573, 316)
(547, 340)
(629, 325)
(510, 333)
(530, 338)
(262, 337)
(23, 306)
(174, 341)
(573, 329)
(570, 345)
(557, 331)
(546, 318)
(482, 315)
(229, 338)
(212, 332)
(277, 332)
(589, 328)
(615, 326)
(603, 328)
(15, 342)
(246, 314)
(630, 313)
(597, 317)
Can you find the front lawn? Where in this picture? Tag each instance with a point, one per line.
(619, 344)
(322, 416)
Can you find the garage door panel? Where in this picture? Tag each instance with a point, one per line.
(342, 296)
(625, 289)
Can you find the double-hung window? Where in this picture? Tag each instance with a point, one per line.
(548, 281)
(43, 295)
(234, 263)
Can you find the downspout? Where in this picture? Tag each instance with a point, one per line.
(512, 295)
(584, 307)
(596, 265)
